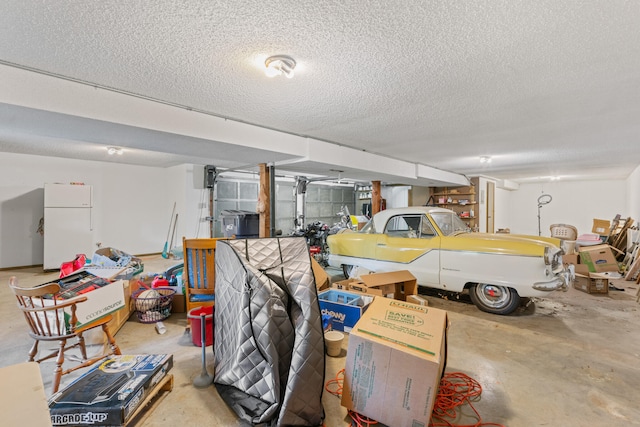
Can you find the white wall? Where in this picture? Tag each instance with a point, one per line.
(502, 209)
(633, 195)
(132, 204)
(574, 202)
(396, 196)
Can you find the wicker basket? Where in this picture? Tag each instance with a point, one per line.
(564, 231)
(155, 308)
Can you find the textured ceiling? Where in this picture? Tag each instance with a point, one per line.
(545, 87)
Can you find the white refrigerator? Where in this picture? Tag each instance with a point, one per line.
(68, 228)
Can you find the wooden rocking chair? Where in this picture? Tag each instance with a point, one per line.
(51, 319)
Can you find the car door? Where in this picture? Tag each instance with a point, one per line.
(411, 243)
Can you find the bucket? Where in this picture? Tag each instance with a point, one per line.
(196, 325)
(333, 342)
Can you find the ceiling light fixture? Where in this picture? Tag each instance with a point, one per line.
(485, 159)
(115, 150)
(280, 65)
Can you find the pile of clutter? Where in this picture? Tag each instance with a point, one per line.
(606, 254)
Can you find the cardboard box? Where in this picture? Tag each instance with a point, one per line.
(321, 276)
(581, 269)
(343, 285)
(121, 316)
(574, 260)
(104, 296)
(109, 393)
(345, 308)
(395, 359)
(601, 227)
(24, 401)
(394, 284)
(598, 258)
(114, 264)
(179, 304)
(591, 284)
(417, 299)
(571, 259)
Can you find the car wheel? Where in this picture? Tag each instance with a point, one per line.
(347, 269)
(494, 299)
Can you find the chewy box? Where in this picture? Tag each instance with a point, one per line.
(345, 308)
(395, 359)
(110, 392)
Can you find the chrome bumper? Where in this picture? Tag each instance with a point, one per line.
(560, 282)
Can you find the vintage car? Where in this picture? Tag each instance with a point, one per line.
(438, 248)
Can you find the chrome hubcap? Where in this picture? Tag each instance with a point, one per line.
(491, 295)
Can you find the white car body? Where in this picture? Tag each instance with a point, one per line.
(442, 255)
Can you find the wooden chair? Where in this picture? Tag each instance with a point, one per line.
(199, 271)
(51, 319)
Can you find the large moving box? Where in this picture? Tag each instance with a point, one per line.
(111, 392)
(396, 357)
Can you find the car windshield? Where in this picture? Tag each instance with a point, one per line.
(449, 223)
(369, 228)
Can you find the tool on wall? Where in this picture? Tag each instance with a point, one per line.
(165, 253)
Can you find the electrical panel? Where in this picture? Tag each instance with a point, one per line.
(209, 176)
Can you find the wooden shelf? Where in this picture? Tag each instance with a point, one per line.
(450, 197)
(457, 204)
(453, 194)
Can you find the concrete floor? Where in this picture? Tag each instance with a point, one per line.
(572, 359)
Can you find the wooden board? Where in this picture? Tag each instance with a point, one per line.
(152, 400)
(631, 272)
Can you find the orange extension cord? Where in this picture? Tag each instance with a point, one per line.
(455, 389)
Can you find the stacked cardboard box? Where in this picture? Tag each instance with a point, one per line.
(591, 263)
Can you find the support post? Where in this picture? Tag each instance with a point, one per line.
(376, 199)
(264, 201)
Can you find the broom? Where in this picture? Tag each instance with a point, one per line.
(166, 243)
(173, 233)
